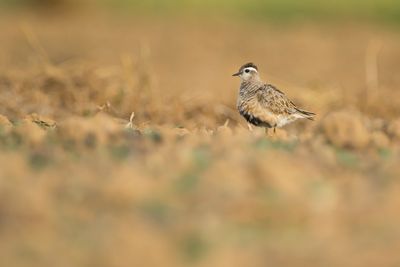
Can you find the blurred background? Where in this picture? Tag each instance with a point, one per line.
(120, 143)
(340, 51)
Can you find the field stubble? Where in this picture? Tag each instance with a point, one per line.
(185, 183)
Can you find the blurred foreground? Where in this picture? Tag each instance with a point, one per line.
(185, 183)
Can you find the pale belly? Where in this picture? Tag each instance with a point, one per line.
(282, 120)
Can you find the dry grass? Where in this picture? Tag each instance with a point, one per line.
(184, 182)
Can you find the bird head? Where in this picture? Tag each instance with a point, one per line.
(248, 72)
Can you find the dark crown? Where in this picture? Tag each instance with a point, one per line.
(248, 65)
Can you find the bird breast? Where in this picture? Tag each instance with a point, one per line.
(254, 113)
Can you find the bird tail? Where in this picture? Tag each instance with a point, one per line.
(306, 114)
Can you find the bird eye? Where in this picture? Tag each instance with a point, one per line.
(247, 70)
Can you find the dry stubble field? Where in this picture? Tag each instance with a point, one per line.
(186, 184)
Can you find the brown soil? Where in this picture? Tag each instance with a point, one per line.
(185, 182)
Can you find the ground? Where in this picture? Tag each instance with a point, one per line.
(185, 182)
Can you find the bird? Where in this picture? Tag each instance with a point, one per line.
(263, 104)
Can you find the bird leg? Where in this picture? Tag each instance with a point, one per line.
(274, 130)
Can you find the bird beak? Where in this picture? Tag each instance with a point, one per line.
(236, 74)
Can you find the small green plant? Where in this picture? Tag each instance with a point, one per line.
(347, 157)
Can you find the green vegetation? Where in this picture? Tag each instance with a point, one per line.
(283, 10)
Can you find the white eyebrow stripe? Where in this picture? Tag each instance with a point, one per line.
(251, 68)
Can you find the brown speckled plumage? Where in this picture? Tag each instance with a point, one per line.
(263, 104)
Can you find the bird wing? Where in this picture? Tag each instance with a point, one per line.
(277, 102)
(274, 100)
